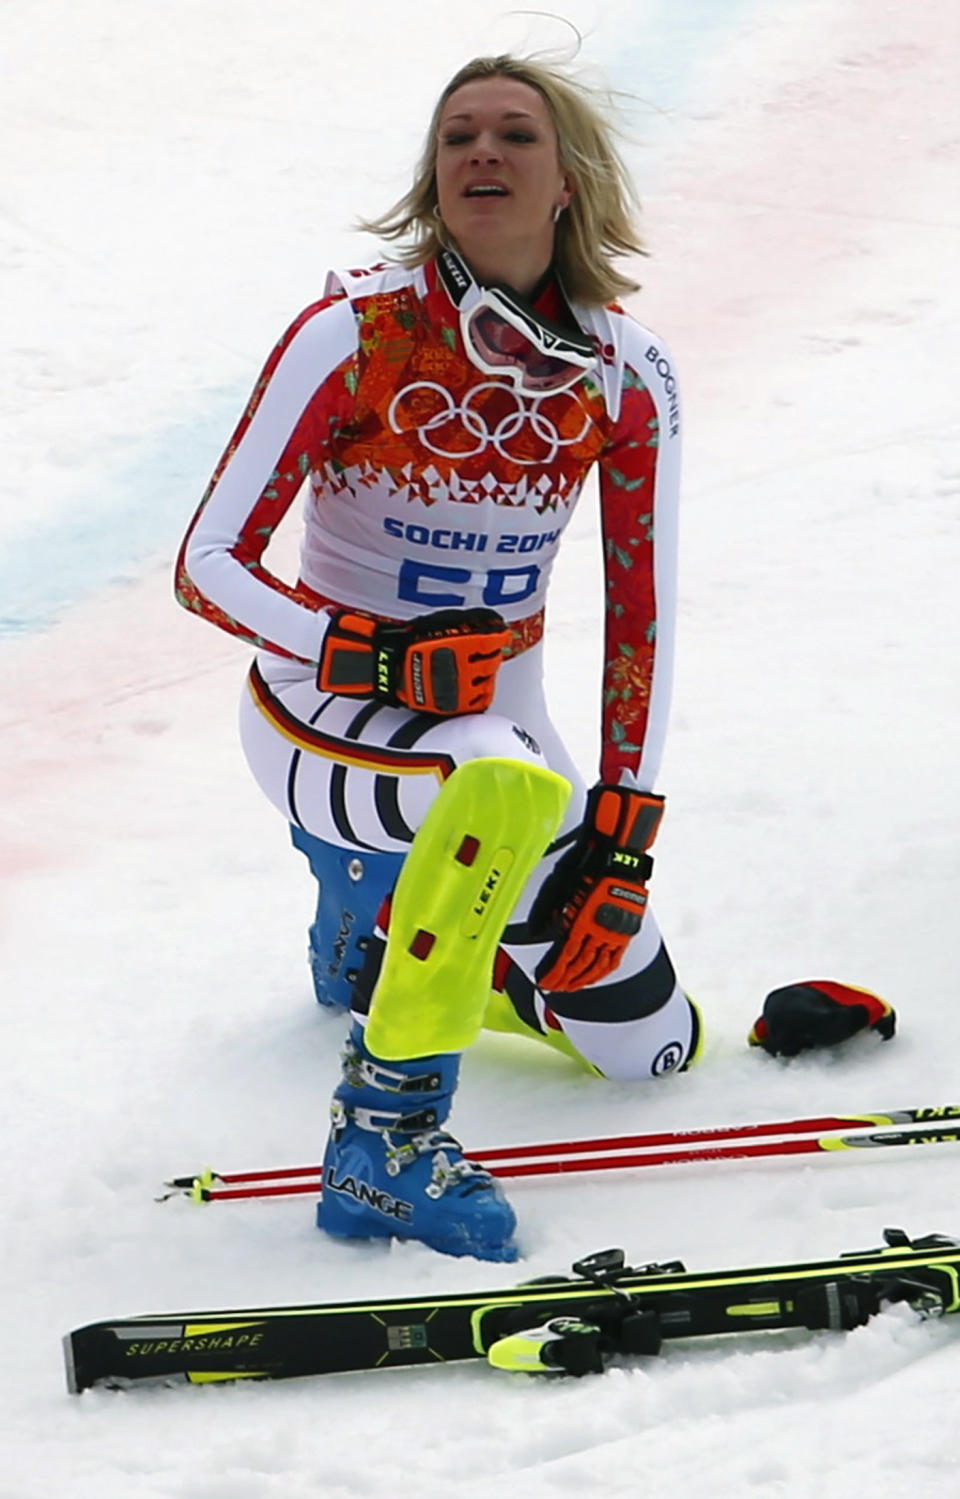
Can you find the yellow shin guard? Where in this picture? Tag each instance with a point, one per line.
(471, 857)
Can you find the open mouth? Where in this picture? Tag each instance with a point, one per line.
(486, 190)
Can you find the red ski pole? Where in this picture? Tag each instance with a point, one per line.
(620, 1152)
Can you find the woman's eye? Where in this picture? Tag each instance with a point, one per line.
(464, 137)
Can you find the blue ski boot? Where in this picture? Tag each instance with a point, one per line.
(350, 889)
(390, 1171)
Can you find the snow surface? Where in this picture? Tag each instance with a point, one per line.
(176, 179)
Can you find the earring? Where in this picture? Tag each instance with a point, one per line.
(558, 210)
(440, 229)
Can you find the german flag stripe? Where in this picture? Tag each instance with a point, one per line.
(313, 741)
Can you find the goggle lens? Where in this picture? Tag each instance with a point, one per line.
(503, 344)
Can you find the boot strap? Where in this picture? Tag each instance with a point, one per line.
(447, 1173)
(424, 1139)
(361, 1072)
(380, 1120)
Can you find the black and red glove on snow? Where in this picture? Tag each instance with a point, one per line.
(818, 1012)
(443, 663)
(594, 900)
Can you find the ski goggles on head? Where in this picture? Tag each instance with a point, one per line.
(503, 335)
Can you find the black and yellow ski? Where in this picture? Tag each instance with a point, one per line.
(636, 1307)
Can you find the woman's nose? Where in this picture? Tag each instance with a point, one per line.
(486, 148)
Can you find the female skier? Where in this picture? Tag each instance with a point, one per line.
(443, 412)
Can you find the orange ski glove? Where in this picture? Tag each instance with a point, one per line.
(593, 901)
(443, 663)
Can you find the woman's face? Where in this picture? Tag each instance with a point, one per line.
(499, 178)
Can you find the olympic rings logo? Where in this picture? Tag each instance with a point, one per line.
(474, 423)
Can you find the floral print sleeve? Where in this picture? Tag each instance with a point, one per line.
(283, 435)
(639, 474)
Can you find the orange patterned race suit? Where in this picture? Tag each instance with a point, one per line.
(432, 485)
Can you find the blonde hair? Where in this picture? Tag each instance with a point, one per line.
(600, 221)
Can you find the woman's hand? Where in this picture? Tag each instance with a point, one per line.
(443, 663)
(593, 901)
